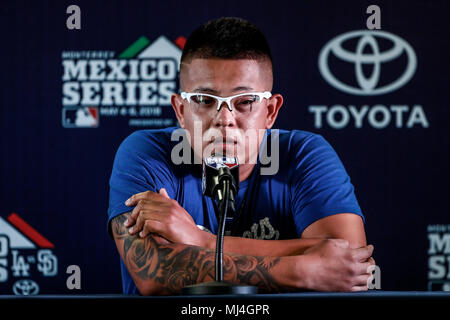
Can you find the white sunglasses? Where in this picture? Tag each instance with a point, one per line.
(242, 102)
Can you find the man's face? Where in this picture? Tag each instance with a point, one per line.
(226, 132)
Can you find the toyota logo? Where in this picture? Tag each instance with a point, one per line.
(25, 287)
(367, 85)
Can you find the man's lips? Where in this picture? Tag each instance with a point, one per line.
(224, 141)
(223, 146)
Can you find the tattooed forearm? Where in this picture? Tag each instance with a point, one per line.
(174, 266)
(117, 224)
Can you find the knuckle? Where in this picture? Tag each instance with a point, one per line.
(134, 214)
(349, 270)
(171, 229)
(352, 256)
(138, 206)
(140, 221)
(354, 270)
(170, 219)
(147, 224)
(172, 205)
(348, 284)
(137, 211)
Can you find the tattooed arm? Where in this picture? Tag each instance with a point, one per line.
(160, 267)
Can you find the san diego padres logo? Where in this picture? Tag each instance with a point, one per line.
(359, 57)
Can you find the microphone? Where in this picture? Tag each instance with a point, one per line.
(220, 181)
(216, 171)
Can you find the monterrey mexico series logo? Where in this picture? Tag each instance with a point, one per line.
(25, 256)
(135, 85)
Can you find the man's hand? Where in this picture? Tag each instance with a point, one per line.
(157, 213)
(335, 266)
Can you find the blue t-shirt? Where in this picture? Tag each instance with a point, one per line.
(311, 183)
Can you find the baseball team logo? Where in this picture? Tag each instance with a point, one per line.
(25, 255)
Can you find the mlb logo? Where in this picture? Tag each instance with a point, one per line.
(219, 162)
(80, 117)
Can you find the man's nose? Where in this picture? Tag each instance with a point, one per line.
(224, 117)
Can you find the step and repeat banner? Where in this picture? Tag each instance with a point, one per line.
(78, 77)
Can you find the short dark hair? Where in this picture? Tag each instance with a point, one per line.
(227, 38)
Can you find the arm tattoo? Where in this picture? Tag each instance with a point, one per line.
(176, 265)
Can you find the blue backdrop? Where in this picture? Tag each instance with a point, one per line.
(69, 97)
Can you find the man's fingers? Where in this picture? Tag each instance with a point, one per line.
(151, 226)
(148, 206)
(361, 280)
(145, 215)
(163, 192)
(138, 225)
(363, 268)
(363, 253)
(135, 213)
(132, 217)
(135, 198)
(128, 222)
(359, 288)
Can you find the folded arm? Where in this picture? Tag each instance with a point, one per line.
(347, 226)
(160, 267)
(158, 214)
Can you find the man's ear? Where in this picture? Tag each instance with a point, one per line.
(178, 107)
(273, 106)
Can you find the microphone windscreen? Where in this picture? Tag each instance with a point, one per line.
(211, 170)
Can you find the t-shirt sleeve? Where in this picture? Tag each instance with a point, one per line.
(320, 185)
(139, 165)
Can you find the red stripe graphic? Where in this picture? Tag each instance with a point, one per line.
(93, 112)
(180, 42)
(29, 231)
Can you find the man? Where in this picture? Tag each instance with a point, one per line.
(297, 228)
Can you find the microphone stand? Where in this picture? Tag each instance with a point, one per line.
(225, 201)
